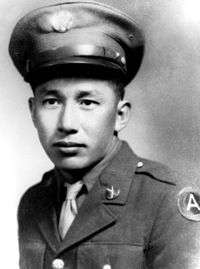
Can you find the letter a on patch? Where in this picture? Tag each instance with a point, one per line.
(192, 203)
(189, 203)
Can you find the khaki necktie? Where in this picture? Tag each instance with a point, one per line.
(69, 208)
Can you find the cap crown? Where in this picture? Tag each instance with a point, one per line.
(76, 33)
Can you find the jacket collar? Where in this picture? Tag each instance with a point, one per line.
(119, 175)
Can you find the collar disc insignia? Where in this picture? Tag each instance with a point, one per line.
(111, 193)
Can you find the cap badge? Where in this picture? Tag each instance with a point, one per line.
(111, 193)
(62, 21)
(189, 203)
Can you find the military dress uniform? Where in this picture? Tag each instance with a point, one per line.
(135, 213)
(141, 227)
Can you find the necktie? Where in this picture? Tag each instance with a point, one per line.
(69, 208)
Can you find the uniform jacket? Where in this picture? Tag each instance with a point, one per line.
(141, 228)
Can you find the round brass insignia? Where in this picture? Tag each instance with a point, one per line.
(62, 21)
(189, 203)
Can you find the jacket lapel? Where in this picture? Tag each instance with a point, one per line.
(48, 227)
(98, 212)
(46, 214)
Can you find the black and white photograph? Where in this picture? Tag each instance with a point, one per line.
(100, 134)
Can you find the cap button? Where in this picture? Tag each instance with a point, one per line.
(58, 264)
(140, 164)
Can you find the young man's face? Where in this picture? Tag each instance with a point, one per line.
(76, 120)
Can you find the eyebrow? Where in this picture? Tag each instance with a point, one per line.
(85, 93)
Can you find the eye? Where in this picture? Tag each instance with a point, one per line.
(50, 102)
(88, 103)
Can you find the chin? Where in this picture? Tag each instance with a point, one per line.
(72, 164)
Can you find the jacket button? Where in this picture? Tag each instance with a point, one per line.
(140, 164)
(107, 266)
(58, 264)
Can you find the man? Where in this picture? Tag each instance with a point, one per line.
(102, 206)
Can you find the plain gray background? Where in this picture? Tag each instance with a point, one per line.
(165, 97)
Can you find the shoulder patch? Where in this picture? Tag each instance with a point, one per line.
(189, 203)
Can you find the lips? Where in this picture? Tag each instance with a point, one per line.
(68, 149)
(63, 144)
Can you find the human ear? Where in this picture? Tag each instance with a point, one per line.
(31, 104)
(123, 115)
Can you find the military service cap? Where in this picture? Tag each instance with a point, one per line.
(76, 36)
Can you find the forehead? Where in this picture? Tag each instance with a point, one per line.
(76, 85)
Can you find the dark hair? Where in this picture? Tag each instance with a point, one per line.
(119, 88)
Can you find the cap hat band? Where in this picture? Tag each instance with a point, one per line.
(87, 51)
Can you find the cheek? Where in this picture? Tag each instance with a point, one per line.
(101, 125)
(45, 125)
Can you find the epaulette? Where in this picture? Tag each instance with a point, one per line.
(186, 194)
(157, 171)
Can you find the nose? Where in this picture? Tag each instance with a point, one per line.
(68, 120)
